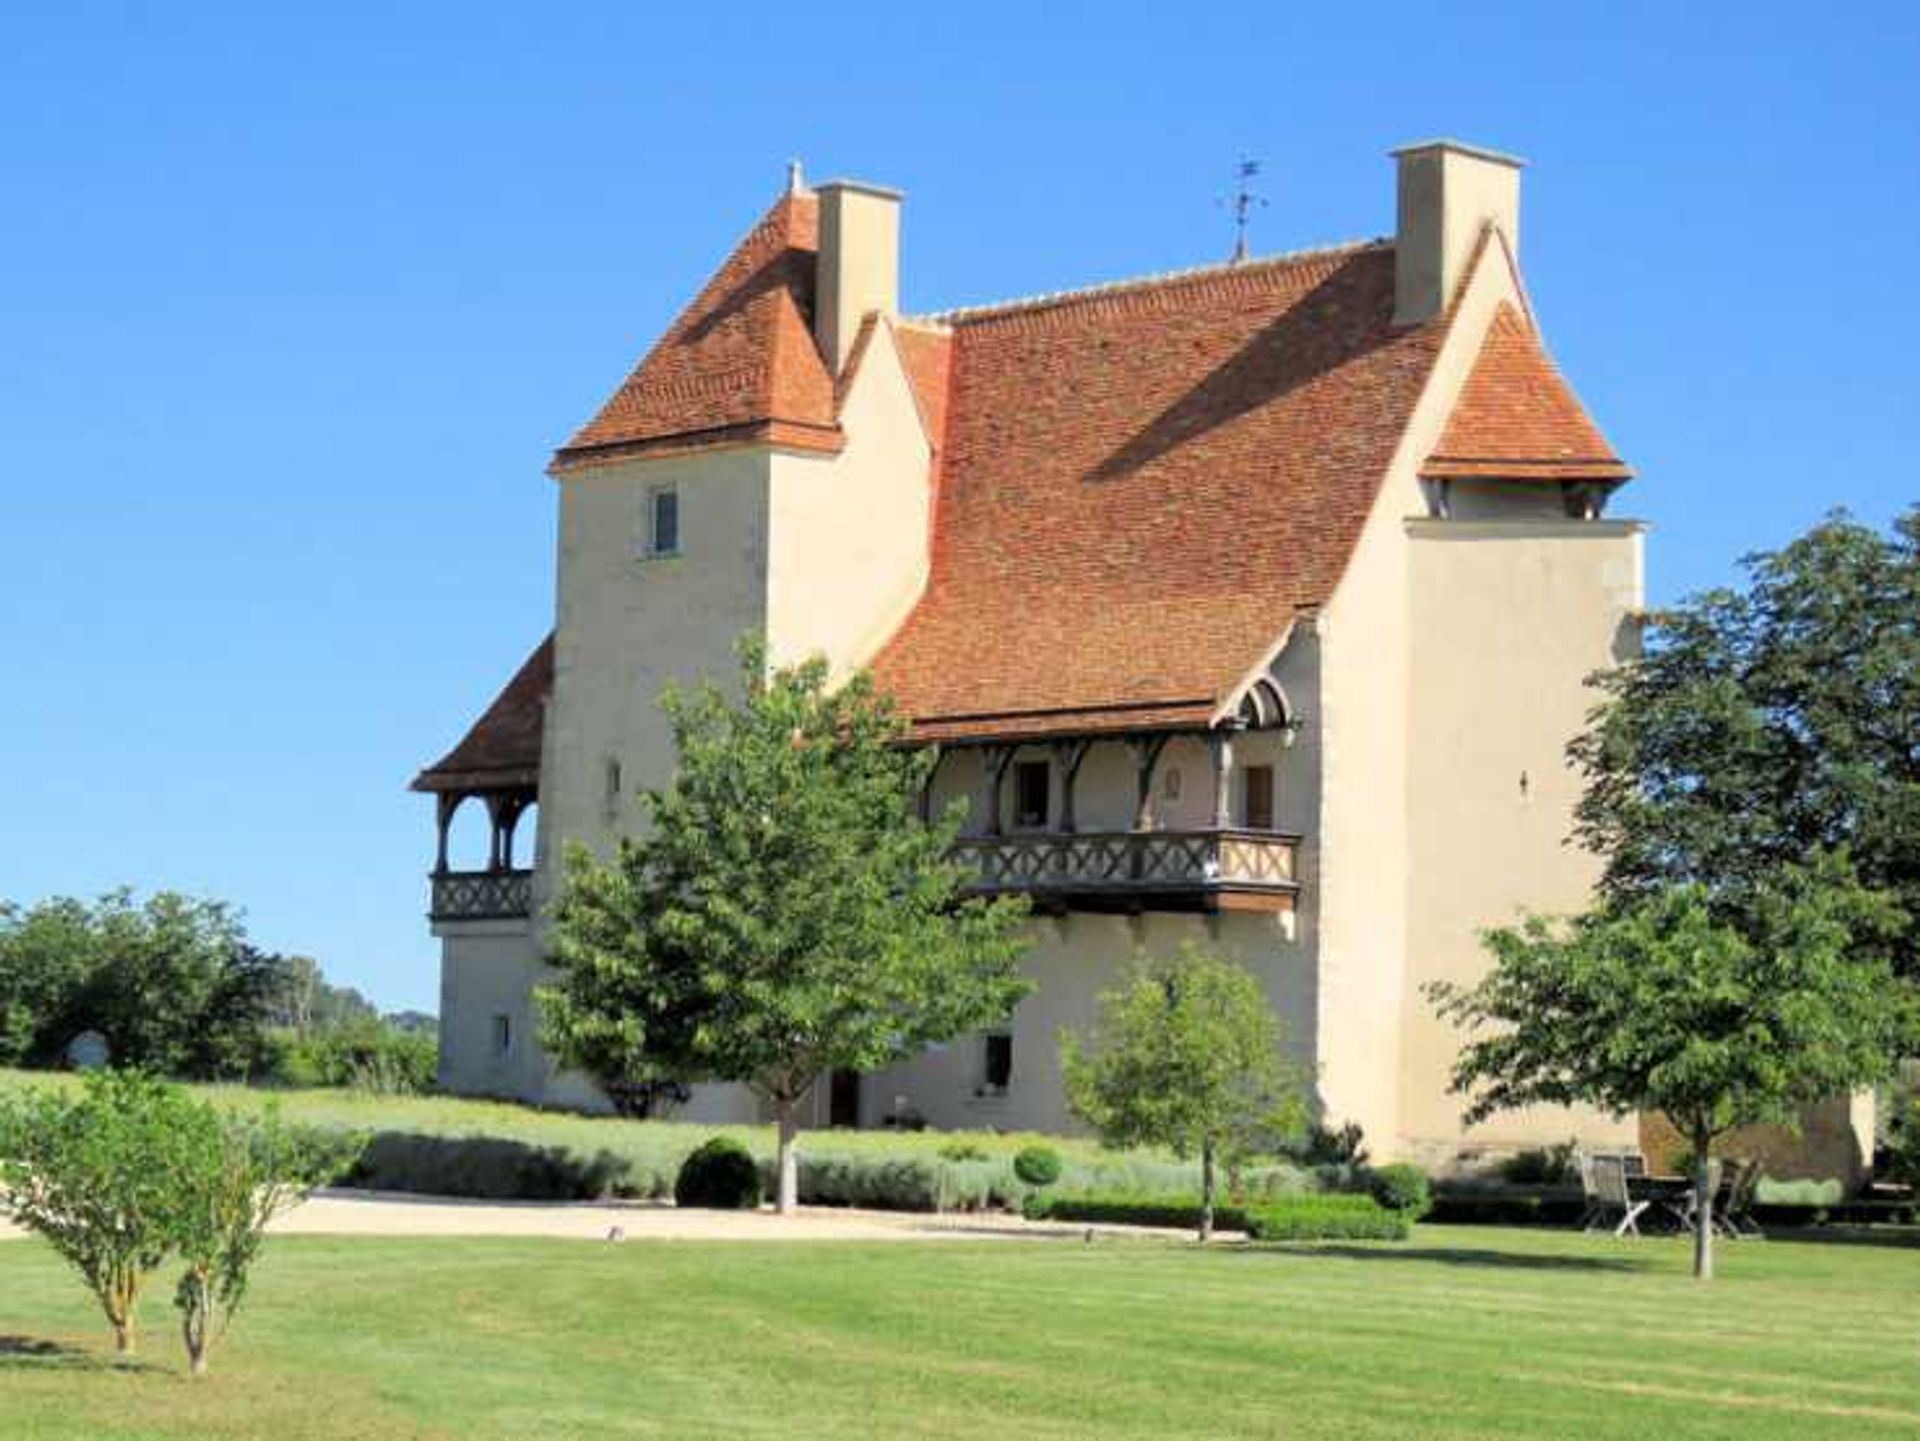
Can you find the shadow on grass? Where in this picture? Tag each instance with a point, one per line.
(1463, 1256)
(1896, 1237)
(21, 1353)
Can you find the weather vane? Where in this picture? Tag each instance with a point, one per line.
(1244, 202)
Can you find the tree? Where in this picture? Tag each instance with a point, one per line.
(236, 1174)
(47, 954)
(1764, 723)
(1660, 1004)
(782, 914)
(97, 1177)
(1186, 1055)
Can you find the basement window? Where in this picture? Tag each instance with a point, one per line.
(663, 521)
(1032, 781)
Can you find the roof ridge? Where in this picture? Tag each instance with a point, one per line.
(965, 314)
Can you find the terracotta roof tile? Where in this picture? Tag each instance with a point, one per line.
(740, 364)
(1141, 486)
(503, 747)
(1517, 419)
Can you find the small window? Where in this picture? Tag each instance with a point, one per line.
(610, 801)
(997, 1069)
(1032, 780)
(502, 1034)
(663, 522)
(1260, 798)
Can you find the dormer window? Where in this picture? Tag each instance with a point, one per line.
(663, 522)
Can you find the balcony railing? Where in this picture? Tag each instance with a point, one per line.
(482, 895)
(1205, 869)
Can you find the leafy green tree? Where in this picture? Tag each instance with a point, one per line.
(48, 952)
(1659, 1004)
(1766, 722)
(782, 914)
(1186, 1055)
(97, 1176)
(236, 1173)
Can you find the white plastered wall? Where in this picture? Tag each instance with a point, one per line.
(848, 533)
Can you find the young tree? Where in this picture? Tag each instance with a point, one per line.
(1658, 1004)
(783, 913)
(236, 1174)
(1765, 722)
(97, 1176)
(1186, 1055)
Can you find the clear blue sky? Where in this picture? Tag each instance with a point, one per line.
(292, 312)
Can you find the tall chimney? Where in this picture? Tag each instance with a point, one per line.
(859, 266)
(1448, 193)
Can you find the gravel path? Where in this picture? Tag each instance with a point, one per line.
(363, 1213)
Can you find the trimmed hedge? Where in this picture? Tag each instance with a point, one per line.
(1037, 1165)
(719, 1176)
(1300, 1218)
(1403, 1188)
(1174, 1215)
(1329, 1218)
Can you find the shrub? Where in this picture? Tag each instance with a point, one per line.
(94, 1175)
(1120, 1210)
(1329, 1218)
(963, 1151)
(1828, 1192)
(1037, 1165)
(1546, 1166)
(1401, 1188)
(493, 1168)
(1903, 1140)
(371, 1056)
(1329, 1146)
(721, 1175)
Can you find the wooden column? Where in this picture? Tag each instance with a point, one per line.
(1068, 755)
(994, 761)
(1220, 749)
(923, 803)
(445, 803)
(1146, 755)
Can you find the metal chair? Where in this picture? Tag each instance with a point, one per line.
(1611, 1197)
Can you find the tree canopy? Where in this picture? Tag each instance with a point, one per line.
(782, 913)
(1186, 1055)
(1766, 722)
(1658, 1004)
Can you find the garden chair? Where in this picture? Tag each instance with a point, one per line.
(1612, 1199)
(1733, 1205)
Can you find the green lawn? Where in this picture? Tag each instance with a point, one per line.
(1468, 1332)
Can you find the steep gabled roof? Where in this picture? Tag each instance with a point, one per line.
(740, 364)
(503, 747)
(1517, 419)
(1141, 485)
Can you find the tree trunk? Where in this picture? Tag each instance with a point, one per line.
(123, 1342)
(1206, 1191)
(788, 1197)
(194, 1319)
(1702, 1203)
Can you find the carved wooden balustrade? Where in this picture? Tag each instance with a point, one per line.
(494, 895)
(1147, 870)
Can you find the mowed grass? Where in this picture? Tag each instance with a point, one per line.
(1465, 1333)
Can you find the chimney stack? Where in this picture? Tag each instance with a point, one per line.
(1448, 194)
(859, 264)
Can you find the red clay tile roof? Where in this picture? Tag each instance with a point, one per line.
(1516, 418)
(928, 356)
(740, 364)
(1142, 485)
(503, 747)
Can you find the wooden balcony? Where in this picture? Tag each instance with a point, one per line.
(494, 895)
(1204, 870)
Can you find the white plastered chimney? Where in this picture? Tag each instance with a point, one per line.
(1448, 193)
(859, 265)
